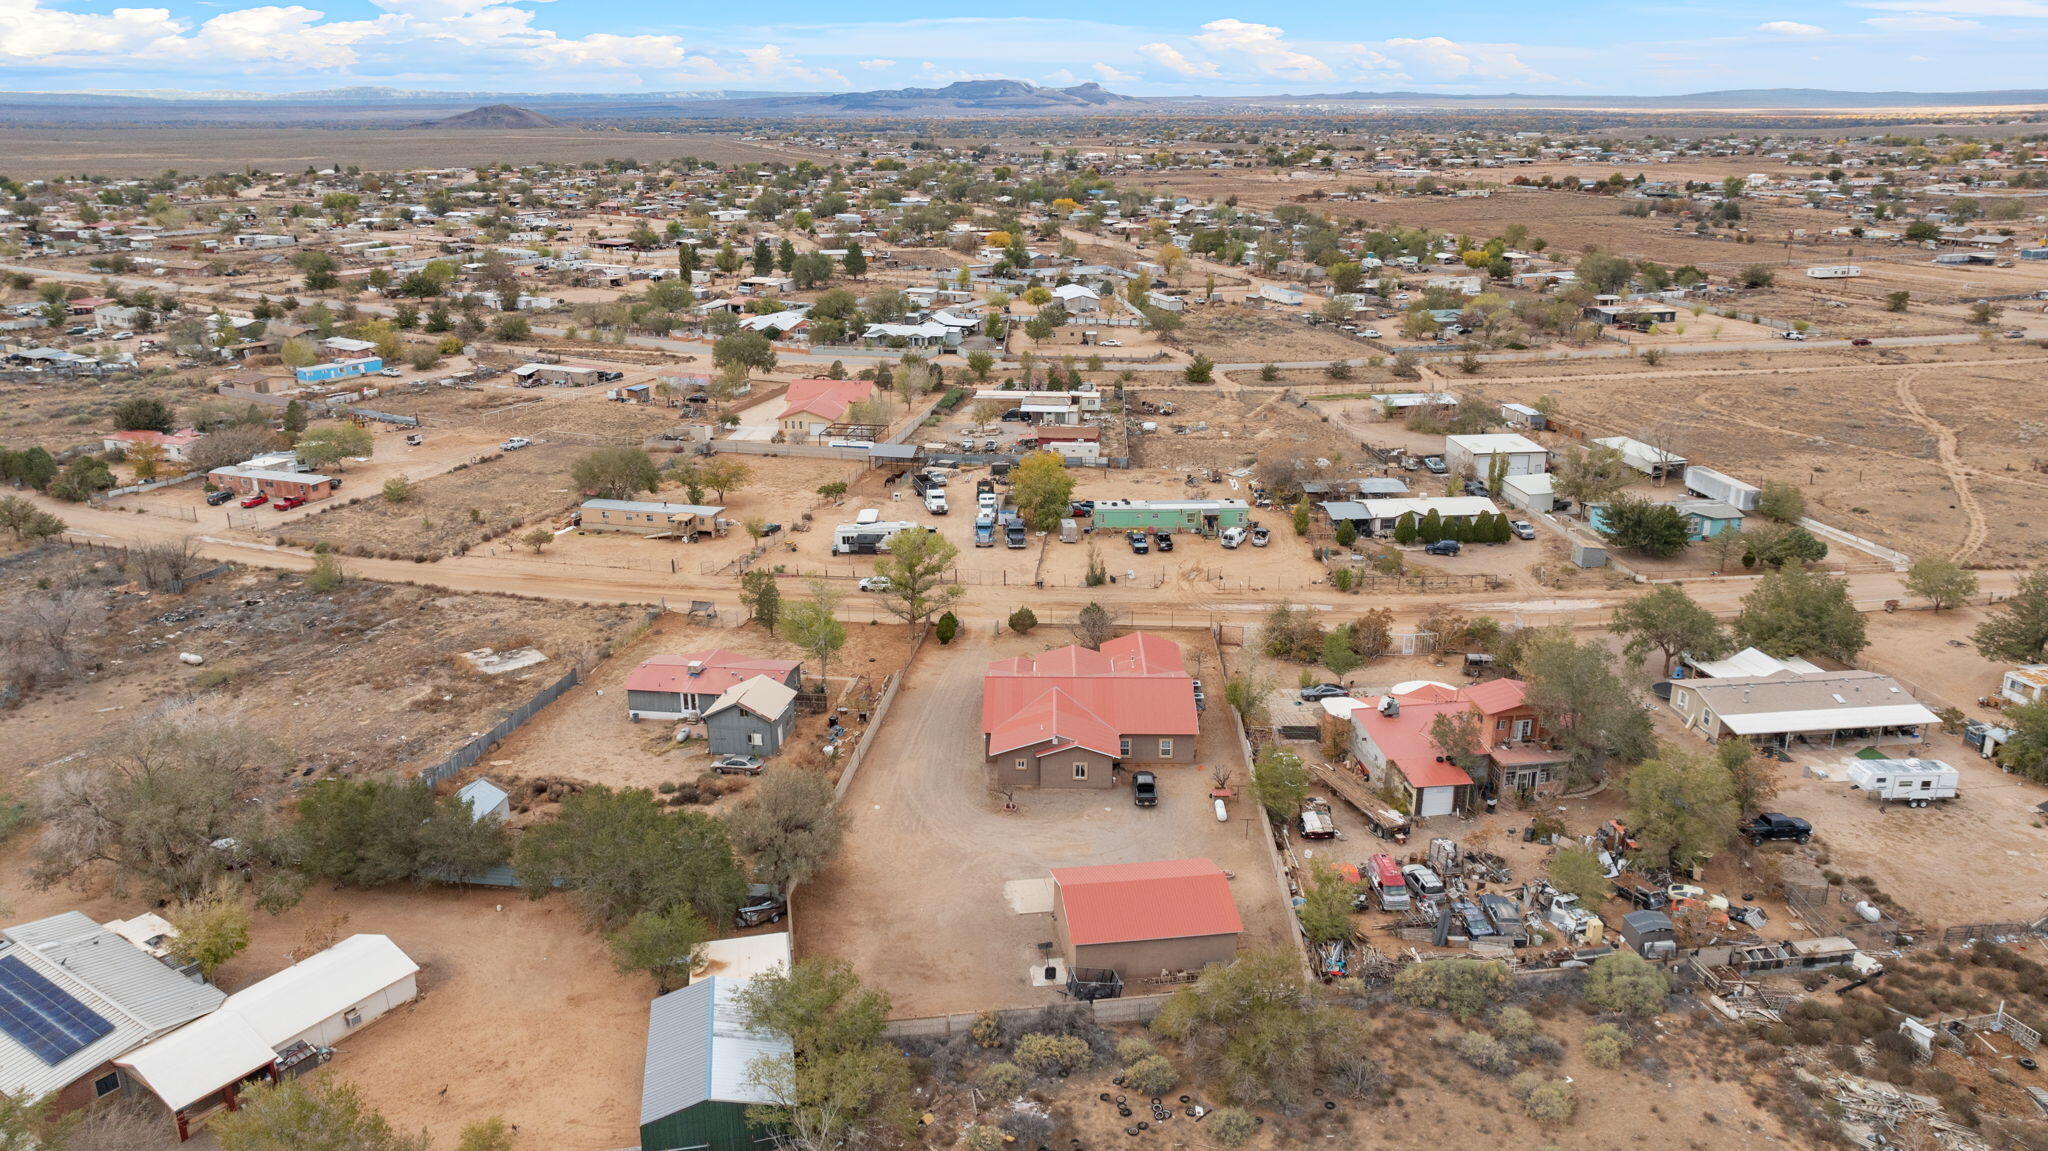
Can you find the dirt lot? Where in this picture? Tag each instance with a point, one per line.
(924, 833)
(473, 1045)
(1244, 334)
(585, 736)
(449, 513)
(365, 678)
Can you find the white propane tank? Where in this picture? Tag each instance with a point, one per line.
(1222, 813)
(191, 658)
(1868, 911)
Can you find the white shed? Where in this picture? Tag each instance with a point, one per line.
(486, 800)
(1474, 454)
(1530, 493)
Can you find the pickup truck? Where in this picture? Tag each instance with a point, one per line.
(1772, 825)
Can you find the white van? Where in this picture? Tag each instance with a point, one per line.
(1232, 537)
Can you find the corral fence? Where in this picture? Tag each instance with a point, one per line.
(1129, 1009)
(153, 485)
(1994, 932)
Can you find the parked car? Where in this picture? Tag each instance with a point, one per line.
(1683, 893)
(1423, 880)
(874, 584)
(1444, 548)
(1476, 488)
(1371, 333)
(255, 501)
(220, 497)
(1776, 825)
(1163, 541)
(1261, 537)
(514, 444)
(2013, 334)
(1081, 509)
(287, 503)
(737, 765)
(1860, 342)
(990, 445)
(394, 373)
(762, 906)
(1436, 465)
(1140, 543)
(1523, 529)
(1111, 343)
(1643, 895)
(1795, 335)
(1145, 789)
(1015, 416)
(1323, 691)
(1232, 537)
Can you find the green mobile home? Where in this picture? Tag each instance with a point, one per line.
(1205, 516)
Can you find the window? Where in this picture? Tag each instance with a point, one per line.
(1123, 747)
(106, 1085)
(1166, 749)
(1500, 725)
(1080, 770)
(754, 739)
(1023, 764)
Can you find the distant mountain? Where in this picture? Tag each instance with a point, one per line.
(1738, 99)
(995, 95)
(495, 117)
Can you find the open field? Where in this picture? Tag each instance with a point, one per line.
(449, 513)
(35, 152)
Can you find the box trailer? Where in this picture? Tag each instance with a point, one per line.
(1917, 782)
(1715, 485)
(1835, 272)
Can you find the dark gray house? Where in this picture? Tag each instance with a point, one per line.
(751, 718)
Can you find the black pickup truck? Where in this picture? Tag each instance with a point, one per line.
(1772, 825)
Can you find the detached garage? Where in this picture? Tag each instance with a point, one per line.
(1141, 919)
(699, 1078)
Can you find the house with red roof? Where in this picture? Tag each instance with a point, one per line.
(1140, 919)
(1391, 738)
(811, 406)
(176, 446)
(667, 686)
(1072, 717)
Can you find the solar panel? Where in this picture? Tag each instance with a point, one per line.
(42, 1017)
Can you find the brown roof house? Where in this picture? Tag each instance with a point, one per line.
(1072, 717)
(1144, 919)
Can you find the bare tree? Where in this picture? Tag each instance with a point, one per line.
(40, 629)
(1093, 627)
(162, 566)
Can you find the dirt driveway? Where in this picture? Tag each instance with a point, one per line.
(916, 900)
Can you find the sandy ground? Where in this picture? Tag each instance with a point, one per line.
(924, 833)
(518, 1001)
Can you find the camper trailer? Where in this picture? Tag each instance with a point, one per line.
(868, 537)
(1916, 782)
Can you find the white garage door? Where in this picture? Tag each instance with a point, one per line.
(1437, 800)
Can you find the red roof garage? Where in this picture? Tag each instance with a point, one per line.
(1145, 919)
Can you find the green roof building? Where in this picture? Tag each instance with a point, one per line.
(1205, 516)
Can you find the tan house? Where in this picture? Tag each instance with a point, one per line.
(655, 519)
(1072, 717)
(1819, 708)
(1142, 919)
(812, 406)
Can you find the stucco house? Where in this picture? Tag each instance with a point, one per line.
(666, 686)
(1392, 734)
(811, 406)
(1072, 717)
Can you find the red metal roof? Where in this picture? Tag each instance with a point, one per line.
(1135, 685)
(826, 398)
(1133, 902)
(1497, 695)
(1058, 722)
(722, 670)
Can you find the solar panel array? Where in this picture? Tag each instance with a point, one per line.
(42, 1017)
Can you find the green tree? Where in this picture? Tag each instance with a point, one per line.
(664, 944)
(1406, 531)
(308, 1115)
(1756, 276)
(762, 597)
(376, 831)
(1577, 871)
(2026, 752)
(211, 929)
(622, 853)
(329, 444)
(981, 364)
(144, 414)
(27, 521)
(1682, 807)
(813, 625)
(1942, 583)
(1794, 612)
(1754, 779)
(1591, 475)
(845, 1084)
(2017, 630)
(1626, 983)
(1668, 621)
(1280, 782)
(916, 567)
(1325, 910)
(789, 827)
(1254, 1031)
(319, 269)
(1200, 370)
(752, 349)
(1463, 987)
(1301, 517)
(616, 473)
(82, 479)
(854, 261)
(1582, 704)
(1634, 524)
(294, 418)
(1780, 501)
(1338, 654)
(1043, 489)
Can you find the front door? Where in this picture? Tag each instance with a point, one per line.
(1523, 729)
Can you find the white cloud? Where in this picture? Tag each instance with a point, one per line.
(1442, 59)
(1109, 75)
(1173, 60)
(1791, 28)
(2027, 8)
(875, 65)
(1922, 22)
(1264, 47)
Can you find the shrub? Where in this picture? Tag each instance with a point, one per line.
(947, 627)
(1152, 1075)
(982, 1138)
(1514, 1025)
(987, 1031)
(1553, 1102)
(397, 489)
(1023, 620)
(1464, 987)
(1133, 1049)
(1231, 1126)
(1003, 1080)
(1050, 1054)
(1605, 1044)
(1485, 1052)
(1627, 983)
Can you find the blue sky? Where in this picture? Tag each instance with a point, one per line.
(1140, 47)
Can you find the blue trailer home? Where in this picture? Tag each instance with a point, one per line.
(338, 370)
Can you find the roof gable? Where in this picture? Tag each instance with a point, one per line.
(1160, 899)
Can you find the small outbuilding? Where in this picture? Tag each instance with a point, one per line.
(1649, 934)
(699, 1078)
(751, 718)
(486, 800)
(1140, 919)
